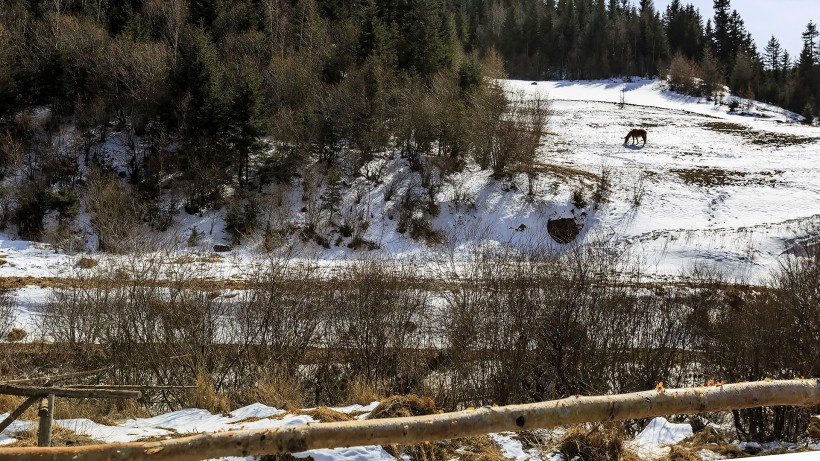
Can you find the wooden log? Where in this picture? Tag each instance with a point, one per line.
(46, 414)
(58, 378)
(69, 392)
(18, 412)
(407, 431)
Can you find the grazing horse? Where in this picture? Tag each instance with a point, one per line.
(635, 134)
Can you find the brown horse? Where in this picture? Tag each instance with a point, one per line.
(635, 134)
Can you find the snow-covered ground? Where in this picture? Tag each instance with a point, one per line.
(651, 443)
(716, 188)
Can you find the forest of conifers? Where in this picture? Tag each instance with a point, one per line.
(203, 82)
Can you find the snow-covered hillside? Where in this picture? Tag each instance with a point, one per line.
(714, 187)
(733, 190)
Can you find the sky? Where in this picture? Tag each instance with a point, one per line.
(785, 19)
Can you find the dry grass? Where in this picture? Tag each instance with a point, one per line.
(677, 453)
(199, 258)
(481, 448)
(16, 334)
(561, 171)
(327, 415)
(280, 390)
(707, 177)
(87, 263)
(204, 396)
(9, 403)
(102, 411)
(600, 442)
(359, 392)
(725, 127)
(400, 406)
(759, 137)
(60, 437)
(706, 439)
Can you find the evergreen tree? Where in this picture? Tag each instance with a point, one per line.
(773, 54)
(719, 35)
(684, 29)
(246, 123)
(807, 56)
(567, 39)
(653, 46)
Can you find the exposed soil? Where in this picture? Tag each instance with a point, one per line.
(563, 230)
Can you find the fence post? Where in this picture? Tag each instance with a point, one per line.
(46, 414)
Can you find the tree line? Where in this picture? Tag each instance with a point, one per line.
(587, 39)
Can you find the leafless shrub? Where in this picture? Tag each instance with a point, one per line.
(683, 76)
(750, 333)
(510, 130)
(638, 189)
(7, 314)
(603, 188)
(551, 326)
(116, 213)
(377, 325)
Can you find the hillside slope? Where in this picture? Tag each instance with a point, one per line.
(709, 187)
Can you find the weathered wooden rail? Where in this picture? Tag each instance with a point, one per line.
(45, 395)
(573, 410)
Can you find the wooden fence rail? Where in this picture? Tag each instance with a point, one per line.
(573, 410)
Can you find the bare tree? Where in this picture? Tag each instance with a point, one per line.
(169, 16)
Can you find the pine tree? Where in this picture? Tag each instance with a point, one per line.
(808, 56)
(246, 123)
(684, 29)
(653, 45)
(772, 55)
(720, 33)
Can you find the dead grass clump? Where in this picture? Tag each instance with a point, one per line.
(60, 437)
(9, 403)
(707, 435)
(16, 334)
(677, 453)
(480, 448)
(204, 396)
(629, 455)
(280, 390)
(531, 439)
(327, 415)
(710, 439)
(87, 263)
(102, 411)
(601, 442)
(399, 406)
(359, 392)
(728, 451)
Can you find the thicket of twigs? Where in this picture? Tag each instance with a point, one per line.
(500, 329)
